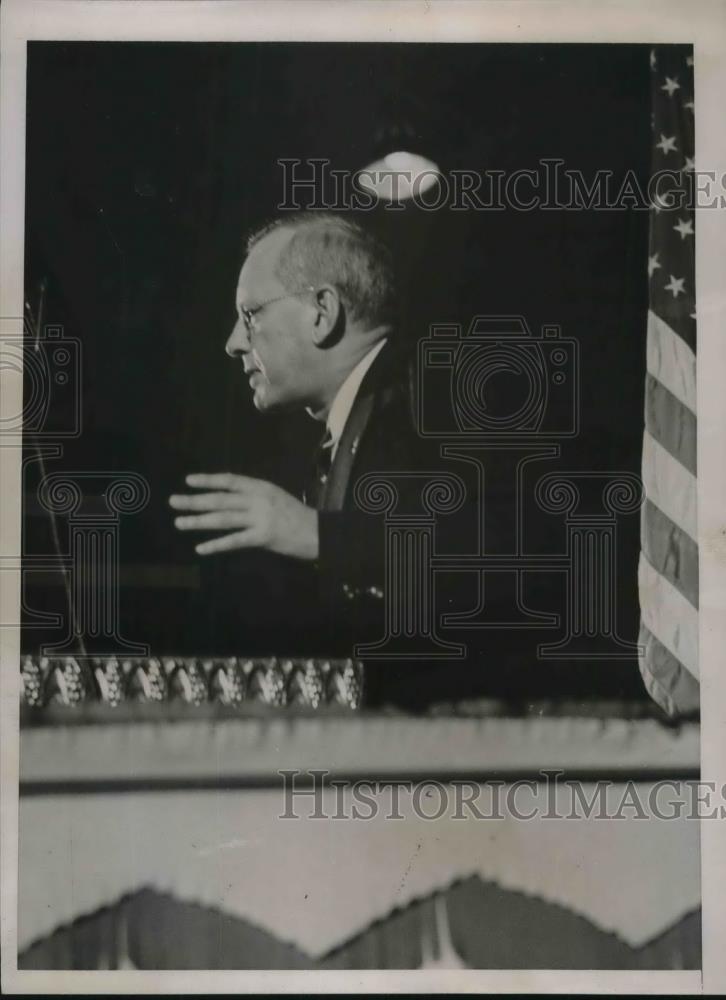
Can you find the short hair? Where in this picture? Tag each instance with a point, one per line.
(329, 248)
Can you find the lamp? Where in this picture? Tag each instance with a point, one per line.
(398, 172)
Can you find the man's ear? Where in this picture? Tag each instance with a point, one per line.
(329, 315)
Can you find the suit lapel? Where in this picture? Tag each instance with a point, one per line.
(355, 427)
(342, 467)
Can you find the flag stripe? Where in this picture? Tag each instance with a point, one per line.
(671, 314)
(670, 551)
(668, 616)
(671, 361)
(669, 486)
(666, 679)
(671, 423)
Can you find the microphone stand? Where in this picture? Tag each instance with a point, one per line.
(36, 325)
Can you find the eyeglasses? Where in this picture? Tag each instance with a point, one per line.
(248, 315)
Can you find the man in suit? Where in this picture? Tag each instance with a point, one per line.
(315, 332)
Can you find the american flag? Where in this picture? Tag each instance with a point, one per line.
(668, 569)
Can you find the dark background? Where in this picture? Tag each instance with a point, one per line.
(146, 165)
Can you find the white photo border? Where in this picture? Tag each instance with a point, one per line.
(700, 22)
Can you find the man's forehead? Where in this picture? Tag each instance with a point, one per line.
(259, 267)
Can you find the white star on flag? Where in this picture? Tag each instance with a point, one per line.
(690, 163)
(652, 58)
(653, 264)
(667, 143)
(689, 104)
(689, 60)
(685, 228)
(671, 86)
(675, 285)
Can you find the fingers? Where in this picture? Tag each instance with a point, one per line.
(237, 540)
(220, 481)
(209, 501)
(239, 504)
(214, 519)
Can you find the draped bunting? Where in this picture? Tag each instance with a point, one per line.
(472, 924)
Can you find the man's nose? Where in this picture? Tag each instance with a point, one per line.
(238, 342)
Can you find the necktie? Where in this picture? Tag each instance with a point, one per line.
(323, 459)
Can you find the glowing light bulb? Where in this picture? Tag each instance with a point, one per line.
(399, 176)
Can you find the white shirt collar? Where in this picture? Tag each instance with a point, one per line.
(345, 396)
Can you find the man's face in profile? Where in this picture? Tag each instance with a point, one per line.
(277, 349)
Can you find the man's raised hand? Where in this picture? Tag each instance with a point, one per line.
(252, 513)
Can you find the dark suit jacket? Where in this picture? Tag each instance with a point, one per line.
(380, 436)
